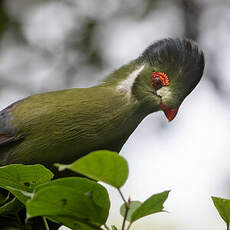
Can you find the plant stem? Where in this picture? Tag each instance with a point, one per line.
(106, 227)
(123, 198)
(127, 204)
(45, 223)
(125, 217)
(129, 226)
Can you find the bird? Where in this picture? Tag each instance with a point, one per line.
(62, 126)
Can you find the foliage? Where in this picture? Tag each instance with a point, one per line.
(223, 207)
(76, 202)
(152, 205)
(17, 178)
(104, 166)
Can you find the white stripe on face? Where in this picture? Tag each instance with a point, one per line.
(126, 85)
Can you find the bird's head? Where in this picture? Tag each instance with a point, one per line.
(167, 72)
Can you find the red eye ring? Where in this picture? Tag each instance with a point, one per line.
(159, 80)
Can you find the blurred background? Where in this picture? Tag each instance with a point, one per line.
(49, 45)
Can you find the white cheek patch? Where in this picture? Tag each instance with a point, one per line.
(164, 92)
(125, 86)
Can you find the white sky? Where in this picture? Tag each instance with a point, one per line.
(191, 157)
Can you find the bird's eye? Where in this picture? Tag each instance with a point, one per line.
(156, 83)
(159, 80)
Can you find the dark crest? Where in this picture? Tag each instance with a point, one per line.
(181, 56)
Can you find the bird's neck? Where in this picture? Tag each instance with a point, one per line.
(126, 82)
(123, 79)
(122, 73)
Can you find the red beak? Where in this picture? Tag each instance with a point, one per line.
(169, 112)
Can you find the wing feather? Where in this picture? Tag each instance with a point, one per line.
(7, 132)
(6, 138)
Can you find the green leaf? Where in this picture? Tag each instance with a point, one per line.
(72, 202)
(18, 177)
(132, 207)
(223, 207)
(114, 227)
(11, 207)
(152, 205)
(103, 165)
(74, 224)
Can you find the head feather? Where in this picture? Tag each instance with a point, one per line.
(182, 59)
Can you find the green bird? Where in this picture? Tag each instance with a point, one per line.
(62, 126)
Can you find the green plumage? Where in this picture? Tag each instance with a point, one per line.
(62, 126)
(72, 121)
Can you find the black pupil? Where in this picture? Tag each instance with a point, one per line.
(157, 82)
